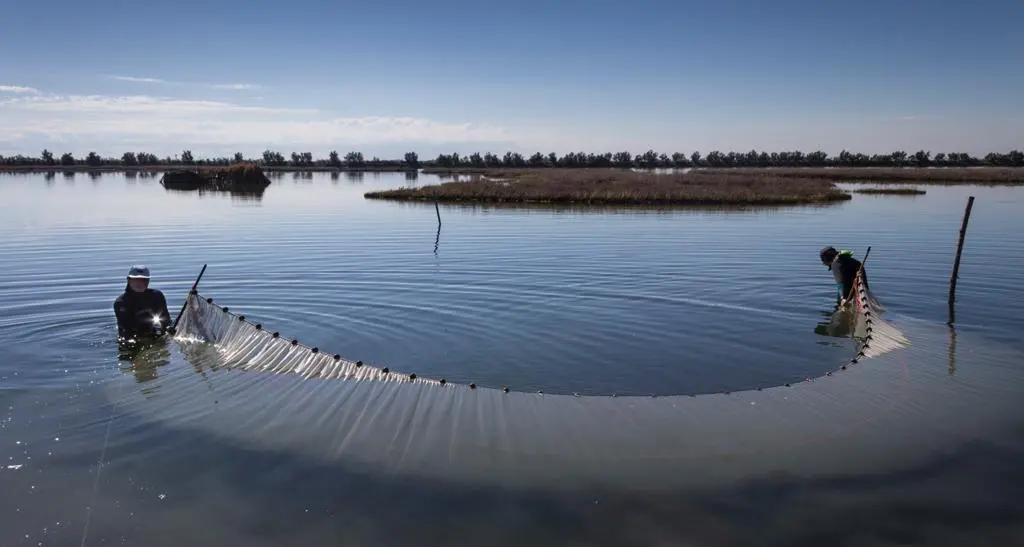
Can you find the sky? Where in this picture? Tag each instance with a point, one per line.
(390, 76)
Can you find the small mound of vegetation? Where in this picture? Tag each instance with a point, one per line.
(234, 177)
(613, 187)
(891, 191)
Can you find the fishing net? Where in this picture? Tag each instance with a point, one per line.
(245, 345)
(885, 406)
(875, 335)
(248, 346)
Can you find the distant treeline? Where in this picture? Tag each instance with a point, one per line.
(649, 159)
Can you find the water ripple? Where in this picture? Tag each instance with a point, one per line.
(635, 301)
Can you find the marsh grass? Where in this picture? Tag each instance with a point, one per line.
(239, 175)
(938, 175)
(602, 186)
(891, 191)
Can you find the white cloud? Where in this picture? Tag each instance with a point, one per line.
(17, 89)
(148, 80)
(133, 104)
(236, 86)
(113, 123)
(139, 80)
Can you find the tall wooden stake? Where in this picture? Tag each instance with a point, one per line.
(183, 306)
(956, 263)
(860, 270)
(437, 240)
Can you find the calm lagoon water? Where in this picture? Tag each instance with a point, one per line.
(627, 301)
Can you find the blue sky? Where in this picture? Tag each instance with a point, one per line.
(387, 77)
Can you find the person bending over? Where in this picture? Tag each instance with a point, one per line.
(141, 310)
(844, 269)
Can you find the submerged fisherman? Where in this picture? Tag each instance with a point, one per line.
(844, 269)
(141, 310)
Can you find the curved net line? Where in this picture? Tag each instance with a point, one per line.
(249, 346)
(876, 335)
(891, 411)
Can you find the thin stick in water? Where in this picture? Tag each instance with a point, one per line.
(956, 263)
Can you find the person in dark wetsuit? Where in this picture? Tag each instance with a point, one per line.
(141, 310)
(844, 269)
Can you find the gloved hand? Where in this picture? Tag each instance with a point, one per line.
(170, 330)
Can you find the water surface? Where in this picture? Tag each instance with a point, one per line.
(629, 301)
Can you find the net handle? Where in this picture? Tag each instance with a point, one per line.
(860, 270)
(190, 293)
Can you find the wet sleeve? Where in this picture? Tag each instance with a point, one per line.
(848, 284)
(165, 316)
(123, 322)
(850, 270)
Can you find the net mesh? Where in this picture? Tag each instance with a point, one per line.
(875, 335)
(245, 345)
(889, 409)
(248, 346)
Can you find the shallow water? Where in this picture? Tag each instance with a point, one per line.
(634, 301)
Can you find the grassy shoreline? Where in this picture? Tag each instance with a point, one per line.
(620, 187)
(934, 175)
(891, 191)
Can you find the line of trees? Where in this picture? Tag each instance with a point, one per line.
(269, 158)
(648, 159)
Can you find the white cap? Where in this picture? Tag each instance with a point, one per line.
(138, 272)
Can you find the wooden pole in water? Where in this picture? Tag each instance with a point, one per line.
(437, 240)
(956, 262)
(183, 306)
(859, 271)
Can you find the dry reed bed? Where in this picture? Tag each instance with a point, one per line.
(891, 191)
(609, 186)
(938, 175)
(242, 174)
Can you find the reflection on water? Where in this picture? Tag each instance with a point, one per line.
(952, 350)
(143, 358)
(245, 195)
(839, 323)
(165, 446)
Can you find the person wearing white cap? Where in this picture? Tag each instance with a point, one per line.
(141, 310)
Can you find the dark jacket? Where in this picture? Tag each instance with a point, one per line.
(135, 312)
(844, 269)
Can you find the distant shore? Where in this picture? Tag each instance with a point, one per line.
(934, 175)
(952, 167)
(1010, 176)
(182, 167)
(599, 186)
